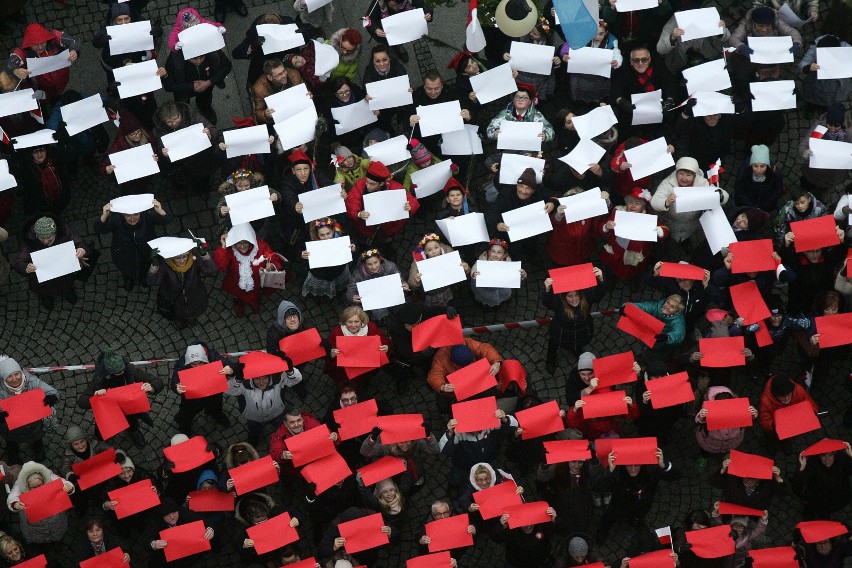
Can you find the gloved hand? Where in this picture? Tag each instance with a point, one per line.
(846, 210)
(311, 492)
(259, 41)
(668, 104)
(375, 433)
(119, 457)
(73, 477)
(662, 338)
(155, 254)
(744, 50)
(621, 310)
(168, 465)
(624, 104)
(51, 400)
(796, 50)
(179, 46)
(39, 95)
(451, 312)
(691, 102)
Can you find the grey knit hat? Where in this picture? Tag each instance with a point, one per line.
(584, 363)
(577, 547)
(9, 366)
(113, 363)
(74, 433)
(44, 227)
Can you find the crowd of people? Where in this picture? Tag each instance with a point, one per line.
(763, 208)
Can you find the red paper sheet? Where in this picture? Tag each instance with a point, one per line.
(272, 533)
(614, 369)
(96, 469)
(381, 469)
(540, 420)
(819, 232)
(401, 428)
(750, 465)
(188, 455)
(777, 557)
(131, 399)
(439, 331)
(308, 562)
(834, 330)
(108, 416)
(259, 364)
(572, 278)
(45, 501)
(363, 533)
(472, 380)
(824, 446)
(39, 561)
(528, 514)
(714, 542)
(762, 335)
(134, 498)
(670, 390)
(795, 419)
(635, 451)
(476, 415)
(211, 501)
(722, 351)
(184, 540)
(353, 372)
(25, 408)
(752, 256)
(204, 380)
(359, 351)
(437, 560)
(511, 371)
(749, 302)
(730, 413)
(640, 325)
(733, 509)
(303, 346)
(326, 471)
(682, 271)
(449, 533)
(560, 451)
(656, 559)
(254, 475)
(494, 500)
(356, 420)
(604, 404)
(110, 559)
(310, 445)
(817, 531)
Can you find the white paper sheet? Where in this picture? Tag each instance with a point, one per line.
(17, 101)
(7, 180)
(137, 79)
(132, 204)
(200, 39)
(440, 271)
(406, 26)
(584, 205)
(649, 158)
(247, 140)
(297, 130)
(699, 23)
(594, 122)
(465, 142)
(527, 221)
(134, 163)
(385, 206)
(520, 136)
(240, 232)
(55, 261)
(314, 5)
(250, 205)
(464, 229)
(390, 151)
(789, 17)
(708, 102)
(352, 117)
(710, 76)
(492, 84)
(326, 58)
(635, 226)
(280, 37)
(42, 65)
(834, 62)
(38, 138)
(649, 108)
(695, 199)
(531, 58)
(584, 153)
(382, 292)
(498, 274)
(717, 229)
(185, 142)
(440, 118)
(633, 5)
(513, 165)
(83, 114)
(773, 95)
(323, 202)
(432, 179)
(130, 37)
(771, 49)
(289, 102)
(590, 61)
(170, 247)
(330, 252)
(830, 154)
(390, 93)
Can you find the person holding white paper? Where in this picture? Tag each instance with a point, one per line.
(805, 9)
(497, 251)
(241, 180)
(644, 75)
(348, 168)
(627, 260)
(541, 34)
(276, 77)
(636, 27)
(383, 8)
(430, 246)
(677, 53)
(817, 91)
(708, 138)
(131, 134)
(592, 88)
(328, 281)
(575, 242)
(242, 257)
(759, 182)
(372, 264)
(432, 92)
(37, 235)
(764, 22)
(834, 126)
(196, 78)
(521, 109)
(687, 175)
(302, 177)
(382, 66)
(457, 201)
(511, 197)
(37, 42)
(44, 182)
(191, 174)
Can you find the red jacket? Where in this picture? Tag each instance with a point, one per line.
(227, 263)
(594, 428)
(572, 243)
(769, 404)
(355, 204)
(622, 180)
(53, 84)
(277, 444)
(612, 254)
(331, 368)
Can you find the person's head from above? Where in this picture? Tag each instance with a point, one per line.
(828, 303)
(294, 420)
(77, 439)
(739, 525)
(471, 67)
(181, 259)
(170, 113)
(261, 382)
(128, 468)
(824, 547)
(775, 304)
(325, 229)
(578, 549)
(256, 513)
(524, 97)
(197, 60)
(342, 89)
(39, 154)
(242, 179)
(12, 550)
(430, 245)
(672, 306)
(207, 484)
(381, 59)
(275, 72)
(420, 155)
(292, 318)
(637, 200)
(603, 31)
(344, 156)
(377, 176)
(640, 59)
(455, 197)
(827, 459)
(526, 184)
(573, 298)
(35, 480)
(402, 448)
(686, 170)
(372, 260)
(813, 256)
(120, 14)
(440, 510)
(11, 373)
(801, 199)
(113, 363)
(585, 366)
(131, 219)
(835, 117)
(270, 19)
(483, 477)
(387, 491)
(410, 314)
(497, 250)
(348, 396)
(44, 229)
(759, 161)
(741, 222)
(565, 117)
(243, 247)
(288, 555)
(763, 21)
(300, 165)
(354, 319)
(296, 61)
(782, 387)
(461, 355)
(697, 520)
(575, 467)
(349, 41)
(433, 85)
(633, 470)
(712, 120)
(94, 531)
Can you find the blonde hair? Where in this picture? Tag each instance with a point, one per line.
(7, 541)
(353, 311)
(483, 469)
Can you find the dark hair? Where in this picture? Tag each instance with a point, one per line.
(255, 511)
(562, 115)
(723, 396)
(271, 64)
(338, 82)
(347, 387)
(697, 517)
(432, 76)
(292, 411)
(91, 522)
(378, 49)
(632, 142)
(827, 299)
(797, 192)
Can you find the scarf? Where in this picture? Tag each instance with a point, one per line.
(19, 389)
(51, 185)
(246, 280)
(98, 549)
(646, 80)
(180, 269)
(346, 333)
(839, 136)
(758, 179)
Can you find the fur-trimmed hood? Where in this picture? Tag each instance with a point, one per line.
(230, 453)
(261, 498)
(336, 38)
(29, 469)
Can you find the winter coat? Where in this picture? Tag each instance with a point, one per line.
(53, 83)
(470, 448)
(196, 166)
(779, 29)
(696, 300)
(717, 441)
(182, 295)
(675, 325)
(332, 369)
(279, 443)
(182, 73)
(627, 258)
(765, 195)
(570, 495)
(625, 83)
(633, 496)
(442, 364)
(824, 490)
(29, 432)
(29, 177)
(769, 404)
(594, 428)
(49, 530)
(157, 558)
(110, 62)
(704, 143)
(279, 330)
(30, 243)
(129, 249)
(811, 277)
(257, 405)
(251, 50)
(531, 114)
(733, 491)
(677, 53)
(622, 180)
(822, 92)
(413, 458)
(682, 225)
(575, 332)
(788, 214)
(103, 380)
(227, 262)
(70, 457)
(572, 243)
(401, 338)
(360, 274)
(83, 549)
(355, 204)
(178, 25)
(825, 179)
(121, 143)
(263, 87)
(348, 63)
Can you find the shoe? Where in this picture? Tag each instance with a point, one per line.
(242, 10)
(71, 296)
(701, 464)
(607, 499)
(47, 302)
(128, 284)
(138, 438)
(596, 498)
(239, 309)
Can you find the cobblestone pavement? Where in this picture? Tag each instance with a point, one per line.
(106, 315)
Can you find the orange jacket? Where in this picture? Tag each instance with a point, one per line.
(442, 365)
(769, 404)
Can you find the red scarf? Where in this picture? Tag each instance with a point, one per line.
(646, 79)
(50, 182)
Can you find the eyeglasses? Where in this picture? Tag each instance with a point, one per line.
(640, 59)
(521, 98)
(441, 514)
(345, 93)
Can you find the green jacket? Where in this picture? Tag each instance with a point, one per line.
(675, 326)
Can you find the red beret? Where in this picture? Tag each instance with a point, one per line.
(378, 172)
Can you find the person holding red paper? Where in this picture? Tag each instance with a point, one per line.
(814, 272)
(439, 510)
(670, 312)
(567, 487)
(295, 422)
(780, 391)
(412, 452)
(483, 476)
(130, 474)
(98, 541)
(114, 370)
(262, 402)
(198, 354)
(289, 320)
(387, 498)
(717, 442)
(657, 423)
(80, 447)
(167, 516)
(402, 319)
(16, 381)
(723, 278)
(696, 294)
(830, 552)
(603, 427)
(802, 206)
(13, 552)
(450, 359)
(332, 544)
(817, 360)
(527, 546)
(469, 448)
(573, 243)
(821, 482)
(780, 327)
(46, 532)
(748, 491)
(354, 322)
(572, 326)
(251, 510)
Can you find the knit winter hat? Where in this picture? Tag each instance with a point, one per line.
(127, 122)
(760, 155)
(118, 9)
(7, 367)
(178, 439)
(342, 152)
(461, 355)
(378, 172)
(781, 385)
(410, 313)
(775, 305)
(828, 41)
(459, 61)
(195, 353)
(577, 547)
(74, 433)
(688, 164)
(584, 362)
(836, 115)
(113, 363)
(421, 156)
(44, 227)
(763, 16)
(167, 507)
(124, 460)
(527, 178)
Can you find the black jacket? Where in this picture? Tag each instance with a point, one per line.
(182, 73)
(130, 251)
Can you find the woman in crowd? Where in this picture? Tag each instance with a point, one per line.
(182, 295)
(242, 257)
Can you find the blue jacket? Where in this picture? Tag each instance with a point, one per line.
(675, 326)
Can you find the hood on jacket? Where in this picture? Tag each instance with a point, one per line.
(31, 468)
(713, 392)
(241, 508)
(36, 34)
(282, 309)
(206, 475)
(689, 164)
(472, 478)
(336, 39)
(234, 449)
(242, 232)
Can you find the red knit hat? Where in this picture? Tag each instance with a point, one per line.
(529, 89)
(298, 156)
(378, 172)
(640, 193)
(36, 34)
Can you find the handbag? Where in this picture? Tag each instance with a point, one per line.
(274, 278)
